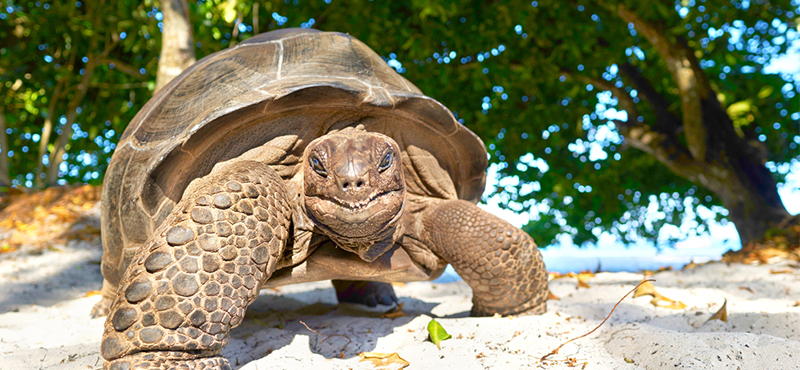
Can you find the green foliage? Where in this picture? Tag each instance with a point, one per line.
(45, 44)
(509, 70)
(499, 67)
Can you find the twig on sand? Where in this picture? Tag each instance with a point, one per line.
(329, 336)
(555, 351)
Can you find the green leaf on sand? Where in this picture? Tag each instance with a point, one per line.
(437, 333)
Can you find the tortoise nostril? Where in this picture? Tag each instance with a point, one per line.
(353, 185)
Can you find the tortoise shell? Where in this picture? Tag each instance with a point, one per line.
(282, 90)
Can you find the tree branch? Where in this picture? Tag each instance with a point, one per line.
(665, 120)
(5, 178)
(47, 129)
(56, 156)
(692, 86)
(625, 100)
(124, 68)
(663, 146)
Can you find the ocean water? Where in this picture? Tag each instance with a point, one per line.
(631, 259)
(615, 257)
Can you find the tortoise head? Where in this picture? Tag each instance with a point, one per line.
(354, 189)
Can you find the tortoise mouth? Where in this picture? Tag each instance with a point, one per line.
(360, 205)
(356, 220)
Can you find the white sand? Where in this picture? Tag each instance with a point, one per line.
(45, 324)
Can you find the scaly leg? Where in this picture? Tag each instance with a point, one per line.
(193, 279)
(499, 261)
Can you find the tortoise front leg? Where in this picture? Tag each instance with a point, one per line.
(193, 279)
(499, 261)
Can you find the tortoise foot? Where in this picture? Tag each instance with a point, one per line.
(101, 308)
(500, 262)
(166, 360)
(369, 293)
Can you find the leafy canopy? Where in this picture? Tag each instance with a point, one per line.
(44, 54)
(514, 72)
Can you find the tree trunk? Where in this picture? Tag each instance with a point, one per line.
(255, 19)
(60, 147)
(56, 156)
(713, 156)
(177, 42)
(236, 28)
(744, 185)
(732, 167)
(5, 178)
(751, 198)
(95, 58)
(46, 131)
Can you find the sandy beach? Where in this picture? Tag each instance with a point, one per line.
(45, 323)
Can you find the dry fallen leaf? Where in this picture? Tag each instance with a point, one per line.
(784, 271)
(722, 314)
(645, 289)
(658, 300)
(43, 217)
(552, 297)
(8, 248)
(582, 277)
(395, 312)
(92, 293)
(649, 273)
(384, 360)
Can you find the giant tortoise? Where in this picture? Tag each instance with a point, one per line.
(295, 156)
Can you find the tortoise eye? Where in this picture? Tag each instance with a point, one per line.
(317, 166)
(385, 162)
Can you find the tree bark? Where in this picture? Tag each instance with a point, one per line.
(5, 178)
(714, 156)
(177, 42)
